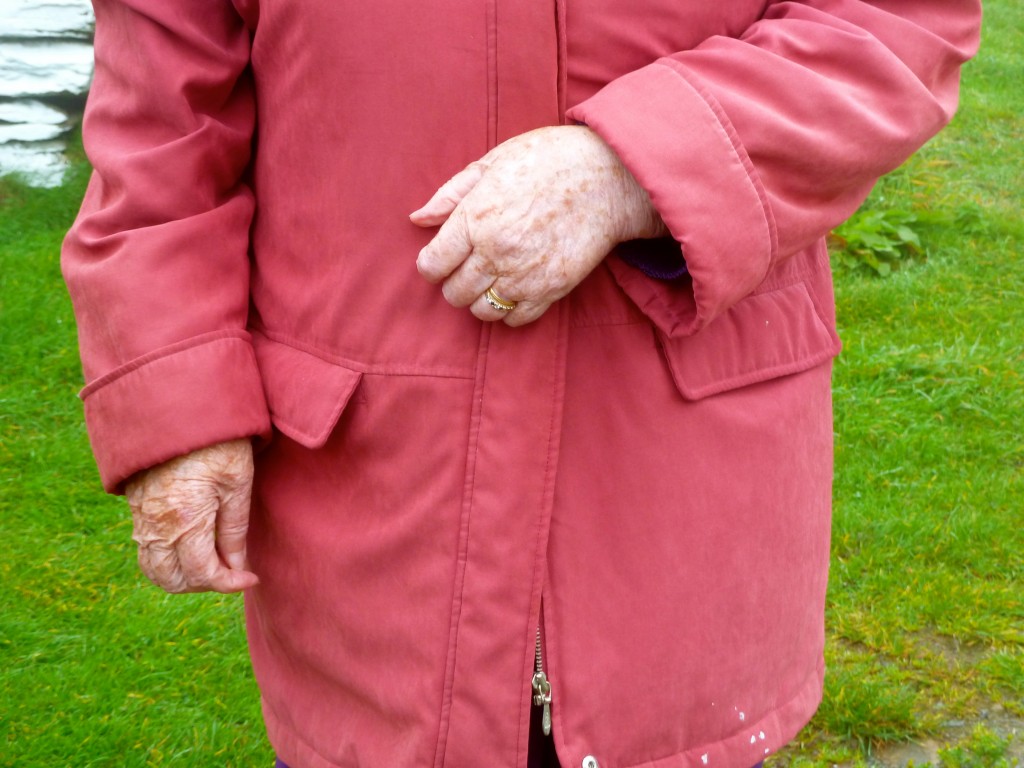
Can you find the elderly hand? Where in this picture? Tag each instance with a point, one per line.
(191, 515)
(530, 220)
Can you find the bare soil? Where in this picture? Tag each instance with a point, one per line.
(926, 752)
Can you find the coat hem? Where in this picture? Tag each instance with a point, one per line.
(760, 740)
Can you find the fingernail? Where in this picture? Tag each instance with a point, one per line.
(421, 261)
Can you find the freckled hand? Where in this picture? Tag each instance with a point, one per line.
(529, 221)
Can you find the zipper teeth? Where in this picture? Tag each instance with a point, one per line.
(542, 688)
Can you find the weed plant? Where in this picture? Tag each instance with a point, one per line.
(925, 614)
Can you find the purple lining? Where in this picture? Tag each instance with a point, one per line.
(660, 258)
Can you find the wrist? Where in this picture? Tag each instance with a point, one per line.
(630, 205)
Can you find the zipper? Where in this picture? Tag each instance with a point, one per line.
(541, 687)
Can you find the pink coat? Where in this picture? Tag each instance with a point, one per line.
(651, 460)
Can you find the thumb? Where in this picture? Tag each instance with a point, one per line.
(451, 193)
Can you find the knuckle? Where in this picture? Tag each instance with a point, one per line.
(482, 313)
(455, 294)
(233, 529)
(449, 195)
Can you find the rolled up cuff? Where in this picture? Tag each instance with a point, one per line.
(678, 143)
(175, 400)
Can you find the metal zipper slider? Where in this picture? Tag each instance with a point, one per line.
(541, 688)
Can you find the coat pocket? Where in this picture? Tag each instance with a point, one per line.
(305, 393)
(764, 336)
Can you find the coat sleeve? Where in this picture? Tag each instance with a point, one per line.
(157, 261)
(752, 148)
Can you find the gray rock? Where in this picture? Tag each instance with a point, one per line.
(45, 72)
(31, 121)
(60, 19)
(44, 68)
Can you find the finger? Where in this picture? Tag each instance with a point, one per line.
(483, 309)
(466, 284)
(160, 565)
(232, 524)
(526, 312)
(448, 196)
(228, 581)
(203, 570)
(449, 248)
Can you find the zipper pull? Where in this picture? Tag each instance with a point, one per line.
(541, 688)
(542, 698)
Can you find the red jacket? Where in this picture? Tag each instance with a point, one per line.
(653, 459)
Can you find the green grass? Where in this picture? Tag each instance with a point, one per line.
(926, 608)
(925, 616)
(97, 668)
(982, 749)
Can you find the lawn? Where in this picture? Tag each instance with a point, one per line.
(926, 607)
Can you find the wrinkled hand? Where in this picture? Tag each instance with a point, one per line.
(191, 516)
(531, 219)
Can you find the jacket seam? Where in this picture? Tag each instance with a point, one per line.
(819, 265)
(303, 436)
(562, 84)
(212, 337)
(757, 375)
(462, 555)
(806, 279)
(592, 323)
(493, 81)
(760, 375)
(373, 369)
(550, 475)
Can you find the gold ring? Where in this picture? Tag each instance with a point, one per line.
(500, 304)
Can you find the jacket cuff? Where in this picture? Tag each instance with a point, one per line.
(678, 143)
(175, 400)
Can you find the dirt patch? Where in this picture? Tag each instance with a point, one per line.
(957, 654)
(955, 732)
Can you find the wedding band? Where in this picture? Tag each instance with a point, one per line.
(500, 304)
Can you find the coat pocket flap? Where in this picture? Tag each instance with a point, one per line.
(305, 393)
(762, 337)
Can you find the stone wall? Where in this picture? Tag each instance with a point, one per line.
(45, 70)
